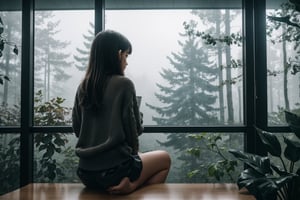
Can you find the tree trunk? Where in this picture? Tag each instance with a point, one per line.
(285, 72)
(219, 53)
(228, 71)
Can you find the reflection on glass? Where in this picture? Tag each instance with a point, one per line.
(10, 68)
(54, 158)
(194, 158)
(282, 60)
(62, 42)
(9, 162)
(184, 79)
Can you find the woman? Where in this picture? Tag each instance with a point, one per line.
(107, 122)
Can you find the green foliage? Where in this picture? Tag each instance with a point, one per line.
(10, 116)
(51, 146)
(264, 179)
(222, 166)
(50, 112)
(233, 38)
(9, 164)
(9, 150)
(54, 159)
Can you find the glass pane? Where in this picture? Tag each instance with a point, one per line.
(182, 79)
(54, 158)
(193, 159)
(62, 40)
(10, 66)
(282, 60)
(9, 162)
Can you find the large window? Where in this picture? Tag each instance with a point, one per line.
(10, 95)
(186, 81)
(62, 38)
(62, 42)
(208, 73)
(10, 67)
(182, 80)
(282, 61)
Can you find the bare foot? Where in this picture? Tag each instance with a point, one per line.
(124, 187)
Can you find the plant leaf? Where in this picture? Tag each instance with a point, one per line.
(281, 181)
(259, 164)
(15, 50)
(271, 142)
(293, 121)
(279, 171)
(292, 150)
(1, 44)
(6, 78)
(257, 184)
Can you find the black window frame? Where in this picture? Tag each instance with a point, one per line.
(255, 87)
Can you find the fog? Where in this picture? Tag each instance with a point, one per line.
(154, 34)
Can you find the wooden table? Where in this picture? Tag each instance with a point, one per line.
(74, 191)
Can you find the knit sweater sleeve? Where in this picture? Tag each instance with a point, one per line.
(132, 120)
(76, 116)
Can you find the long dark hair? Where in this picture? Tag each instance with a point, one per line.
(103, 63)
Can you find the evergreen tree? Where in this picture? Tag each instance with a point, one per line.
(191, 93)
(213, 20)
(83, 58)
(189, 97)
(50, 58)
(219, 38)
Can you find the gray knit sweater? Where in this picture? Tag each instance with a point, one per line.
(108, 136)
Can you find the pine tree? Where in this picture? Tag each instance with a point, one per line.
(191, 93)
(50, 58)
(189, 97)
(83, 58)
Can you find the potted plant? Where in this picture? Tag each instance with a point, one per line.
(264, 179)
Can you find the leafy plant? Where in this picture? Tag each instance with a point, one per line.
(54, 159)
(263, 178)
(9, 116)
(220, 167)
(48, 166)
(9, 164)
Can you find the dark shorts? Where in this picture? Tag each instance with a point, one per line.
(102, 180)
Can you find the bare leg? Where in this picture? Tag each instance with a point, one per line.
(156, 166)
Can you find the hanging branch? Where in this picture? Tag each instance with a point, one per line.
(3, 42)
(285, 19)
